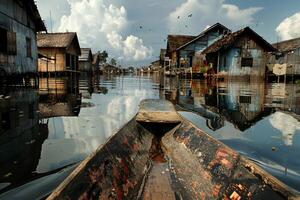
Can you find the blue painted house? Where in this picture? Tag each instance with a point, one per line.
(187, 53)
(241, 54)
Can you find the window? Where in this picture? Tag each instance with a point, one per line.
(3, 40)
(247, 62)
(73, 62)
(68, 61)
(28, 47)
(8, 43)
(245, 99)
(11, 43)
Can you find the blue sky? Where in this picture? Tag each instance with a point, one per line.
(133, 31)
(274, 12)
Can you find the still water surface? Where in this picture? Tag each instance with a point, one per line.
(45, 132)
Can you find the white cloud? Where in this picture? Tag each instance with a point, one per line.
(206, 12)
(289, 28)
(100, 26)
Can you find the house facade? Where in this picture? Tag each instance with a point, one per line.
(289, 54)
(174, 42)
(242, 53)
(85, 60)
(188, 55)
(58, 52)
(19, 23)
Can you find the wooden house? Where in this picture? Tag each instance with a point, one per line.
(289, 54)
(187, 53)
(85, 60)
(240, 54)
(174, 42)
(162, 56)
(19, 22)
(58, 52)
(96, 62)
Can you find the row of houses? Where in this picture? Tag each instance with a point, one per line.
(27, 48)
(218, 51)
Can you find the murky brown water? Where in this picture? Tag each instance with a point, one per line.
(44, 133)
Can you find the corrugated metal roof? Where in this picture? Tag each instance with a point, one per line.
(217, 26)
(288, 45)
(86, 54)
(175, 41)
(229, 39)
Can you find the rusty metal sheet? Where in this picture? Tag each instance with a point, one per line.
(208, 169)
(114, 171)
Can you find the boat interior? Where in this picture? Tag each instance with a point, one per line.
(160, 156)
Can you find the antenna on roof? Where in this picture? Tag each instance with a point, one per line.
(51, 22)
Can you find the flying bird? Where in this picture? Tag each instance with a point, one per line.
(141, 27)
(190, 15)
(178, 17)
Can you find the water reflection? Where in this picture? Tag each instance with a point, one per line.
(71, 139)
(21, 136)
(58, 97)
(259, 120)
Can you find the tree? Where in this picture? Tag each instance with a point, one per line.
(113, 62)
(103, 56)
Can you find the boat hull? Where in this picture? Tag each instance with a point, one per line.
(198, 166)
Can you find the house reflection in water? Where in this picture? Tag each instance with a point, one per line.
(241, 103)
(19, 128)
(58, 97)
(257, 120)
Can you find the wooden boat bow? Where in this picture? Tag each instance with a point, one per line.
(199, 166)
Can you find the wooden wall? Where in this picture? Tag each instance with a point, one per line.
(13, 18)
(58, 64)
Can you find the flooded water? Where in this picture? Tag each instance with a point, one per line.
(260, 121)
(45, 132)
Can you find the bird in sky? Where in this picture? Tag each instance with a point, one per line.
(190, 15)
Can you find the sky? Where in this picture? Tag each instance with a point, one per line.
(134, 31)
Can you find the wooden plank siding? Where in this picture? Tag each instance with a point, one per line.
(18, 22)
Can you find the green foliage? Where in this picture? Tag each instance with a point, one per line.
(103, 56)
(113, 62)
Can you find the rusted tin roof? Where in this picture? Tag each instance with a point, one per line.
(175, 41)
(216, 26)
(288, 45)
(229, 39)
(86, 54)
(57, 40)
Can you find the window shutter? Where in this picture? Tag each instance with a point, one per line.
(11, 43)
